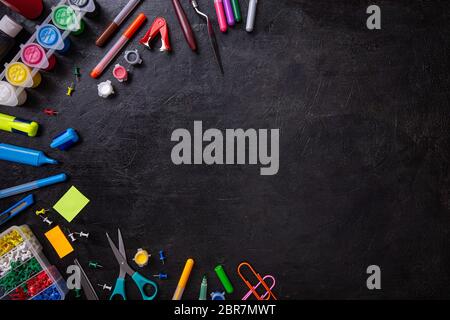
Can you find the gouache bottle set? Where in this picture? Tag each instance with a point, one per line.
(25, 273)
(38, 53)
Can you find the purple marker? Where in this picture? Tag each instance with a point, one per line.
(228, 12)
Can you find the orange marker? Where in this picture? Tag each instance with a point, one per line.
(115, 49)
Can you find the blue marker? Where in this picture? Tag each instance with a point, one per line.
(32, 185)
(16, 209)
(22, 155)
(65, 140)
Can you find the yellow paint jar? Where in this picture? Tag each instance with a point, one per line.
(19, 75)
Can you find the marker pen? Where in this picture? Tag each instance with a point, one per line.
(115, 49)
(228, 12)
(251, 15)
(22, 155)
(32, 185)
(218, 4)
(17, 125)
(236, 10)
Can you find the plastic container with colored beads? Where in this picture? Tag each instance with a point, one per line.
(25, 273)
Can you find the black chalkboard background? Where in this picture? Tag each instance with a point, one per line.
(364, 150)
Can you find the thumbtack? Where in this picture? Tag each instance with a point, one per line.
(95, 265)
(42, 211)
(77, 293)
(162, 257)
(82, 234)
(105, 287)
(76, 72)
(50, 112)
(72, 236)
(161, 276)
(70, 90)
(47, 220)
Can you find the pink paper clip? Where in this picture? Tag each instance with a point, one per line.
(250, 292)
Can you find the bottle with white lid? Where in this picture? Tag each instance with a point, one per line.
(9, 29)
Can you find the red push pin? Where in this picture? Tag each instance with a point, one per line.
(50, 112)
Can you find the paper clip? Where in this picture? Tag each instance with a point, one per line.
(269, 294)
(259, 283)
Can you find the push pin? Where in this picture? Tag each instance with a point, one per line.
(50, 112)
(76, 72)
(95, 265)
(82, 234)
(42, 211)
(72, 236)
(70, 90)
(161, 276)
(105, 287)
(47, 220)
(77, 293)
(162, 257)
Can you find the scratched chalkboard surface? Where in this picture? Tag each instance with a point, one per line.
(364, 150)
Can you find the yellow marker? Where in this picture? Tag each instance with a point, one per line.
(19, 75)
(17, 125)
(183, 279)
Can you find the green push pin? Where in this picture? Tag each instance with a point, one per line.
(95, 265)
(77, 293)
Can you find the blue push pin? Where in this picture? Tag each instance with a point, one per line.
(65, 140)
(162, 257)
(161, 276)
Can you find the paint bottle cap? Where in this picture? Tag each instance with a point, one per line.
(65, 18)
(120, 73)
(141, 257)
(9, 26)
(19, 75)
(9, 97)
(34, 56)
(49, 37)
(83, 5)
(133, 57)
(105, 89)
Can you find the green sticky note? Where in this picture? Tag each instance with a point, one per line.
(70, 205)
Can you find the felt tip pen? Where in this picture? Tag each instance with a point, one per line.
(33, 185)
(22, 155)
(183, 279)
(16, 209)
(228, 12)
(115, 49)
(203, 289)
(17, 125)
(185, 25)
(118, 20)
(218, 4)
(236, 10)
(251, 15)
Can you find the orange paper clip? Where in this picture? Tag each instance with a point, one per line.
(269, 294)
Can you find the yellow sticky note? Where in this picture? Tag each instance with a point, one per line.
(70, 205)
(59, 242)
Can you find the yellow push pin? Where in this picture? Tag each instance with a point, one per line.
(42, 211)
(141, 257)
(70, 90)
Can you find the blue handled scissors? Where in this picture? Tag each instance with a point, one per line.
(141, 282)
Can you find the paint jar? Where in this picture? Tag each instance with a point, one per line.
(30, 9)
(9, 96)
(120, 73)
(34, 56)
(87, 6)
(9, 29)
(67, 18)
(49, 37)
(19, 75)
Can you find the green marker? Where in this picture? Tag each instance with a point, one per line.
(236, 10)
(203, 289)
(224, 279)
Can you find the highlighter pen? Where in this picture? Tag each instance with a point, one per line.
(16, 209)
(203, 289)
(236, 10)
(22, 155)
(251, 15)
(114, 25)
(228, 12)
(17, 125)
(185, 25)
(32, 185)
(115, 49)
(183, 279)
(218, 4)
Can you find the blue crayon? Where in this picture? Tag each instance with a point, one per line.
(32, 185)
(22, 155)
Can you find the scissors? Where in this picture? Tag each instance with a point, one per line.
(141, 282)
